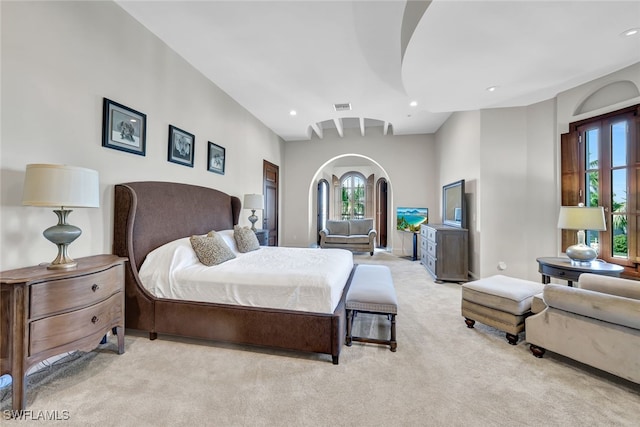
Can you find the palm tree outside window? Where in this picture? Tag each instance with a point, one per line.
(353, 196)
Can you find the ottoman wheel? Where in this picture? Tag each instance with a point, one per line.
(513, 339)
(469, 322)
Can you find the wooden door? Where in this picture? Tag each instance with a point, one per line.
(381, 212)
(322, 206)
(270, 179)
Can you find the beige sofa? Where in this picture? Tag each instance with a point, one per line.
(596, 323)
(356, 235)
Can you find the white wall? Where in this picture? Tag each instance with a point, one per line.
(458, 153)
(409, 162)
(59, 59)
(519, 189)
(515, 189)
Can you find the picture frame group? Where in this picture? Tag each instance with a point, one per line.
(125, 129)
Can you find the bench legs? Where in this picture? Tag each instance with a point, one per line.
(392, 343)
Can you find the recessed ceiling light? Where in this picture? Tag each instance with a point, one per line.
(413, 103)
(630, 32)
(293, 112)
(492, 88)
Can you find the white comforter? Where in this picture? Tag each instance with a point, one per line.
(272, 277)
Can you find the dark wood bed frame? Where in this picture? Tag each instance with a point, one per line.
(150, 214)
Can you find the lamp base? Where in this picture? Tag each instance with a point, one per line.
(581, 254)
(253, 218)
(62, 234)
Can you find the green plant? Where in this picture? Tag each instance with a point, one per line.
(620, 245)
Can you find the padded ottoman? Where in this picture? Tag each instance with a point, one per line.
(499, 301)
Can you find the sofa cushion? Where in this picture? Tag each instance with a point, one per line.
(333, 238)
(360, 226)
(338, 227)
(597, 305)
(357, 240)
(610, 285)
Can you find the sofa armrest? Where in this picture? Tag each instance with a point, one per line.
(597, 305)
(372, 234)
(324, 232)
(610, 285)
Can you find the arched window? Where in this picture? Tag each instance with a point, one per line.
(354, 196)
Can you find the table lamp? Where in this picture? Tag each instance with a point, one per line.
(62, 187)
(253, 202)
(581, 218)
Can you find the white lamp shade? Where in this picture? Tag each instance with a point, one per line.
(253, 201)
(61, 186)
(581, 218)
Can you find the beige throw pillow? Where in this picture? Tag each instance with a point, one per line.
(211, 249)
(246, 239)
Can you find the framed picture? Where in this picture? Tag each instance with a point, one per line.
(123, 129)
(216, 158)
(181, 146)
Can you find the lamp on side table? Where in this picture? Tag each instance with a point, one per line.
(253, 202)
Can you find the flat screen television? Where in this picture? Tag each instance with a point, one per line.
(409, 219)
(453, 205)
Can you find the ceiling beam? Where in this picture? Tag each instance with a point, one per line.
(317, 128)
(386, 128)
(339, 127)
(362, 126)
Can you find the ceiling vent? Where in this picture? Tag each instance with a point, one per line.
(342, 107)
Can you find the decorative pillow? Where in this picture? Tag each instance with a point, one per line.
(246, 239)
(211, 250)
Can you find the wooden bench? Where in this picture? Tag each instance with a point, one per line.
(372, 291)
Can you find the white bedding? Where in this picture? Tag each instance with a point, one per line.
(272, 277)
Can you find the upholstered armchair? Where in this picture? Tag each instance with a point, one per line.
(596, 323)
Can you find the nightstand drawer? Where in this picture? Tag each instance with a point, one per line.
(66, 294)
(560, 273)
(431, 234)
(66, 328)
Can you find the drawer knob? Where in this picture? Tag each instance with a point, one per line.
(95, 287)
(94, 319)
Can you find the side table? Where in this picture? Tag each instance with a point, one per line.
(561, 268)
(263, 237)
(50, 312)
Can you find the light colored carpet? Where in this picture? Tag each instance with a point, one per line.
(443, 374)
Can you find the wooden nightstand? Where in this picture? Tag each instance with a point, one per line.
(50, 312)
(263, 237)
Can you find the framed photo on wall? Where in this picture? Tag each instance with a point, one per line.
(181, 146)
(123, 128)
(216, 158)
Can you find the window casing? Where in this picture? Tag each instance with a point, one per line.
(600, 160)
(354, 197)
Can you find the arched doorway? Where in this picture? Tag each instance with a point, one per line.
(331, 172)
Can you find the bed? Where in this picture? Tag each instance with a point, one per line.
(149, 215)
